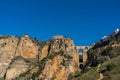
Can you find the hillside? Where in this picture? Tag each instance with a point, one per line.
(109, 70)
(24, 58)
(103, 61)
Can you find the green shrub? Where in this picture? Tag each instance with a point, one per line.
(63, 62)
(2, 78)
(70, 76)
(34, 75)
(111, 66)
(53, 78)
(77, 74)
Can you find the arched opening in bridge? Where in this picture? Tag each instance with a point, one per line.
(80, 58)
(86, 48)
(80, 51)
(81, 66)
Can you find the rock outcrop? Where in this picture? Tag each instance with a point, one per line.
(62, 64)
(11, 48)
(18, 66)
(44, 52)
(26, 48)
(8, 47)
(24, 58)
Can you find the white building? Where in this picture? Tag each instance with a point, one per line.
(105, 38)
(117, 31)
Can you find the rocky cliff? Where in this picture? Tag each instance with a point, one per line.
(25, 58)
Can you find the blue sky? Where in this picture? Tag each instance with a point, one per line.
(85, 21)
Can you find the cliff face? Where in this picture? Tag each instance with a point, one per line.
(62, 61)
(24, 58)
(26, 48)
(13, 52)
(58, 59)
(8, 47)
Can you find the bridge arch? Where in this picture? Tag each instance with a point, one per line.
(82, 51)
(81, 66)
(86, 48)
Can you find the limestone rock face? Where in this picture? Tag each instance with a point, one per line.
(17, 67)
(54, 69)
(64, 44)
(22, 58)
(60, 66)
(7, 52)
(44, 52)
(27, 48)
(12, 47)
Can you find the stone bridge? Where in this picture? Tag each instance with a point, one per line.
(82, 51)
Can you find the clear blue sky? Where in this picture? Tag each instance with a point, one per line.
(85, 21)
